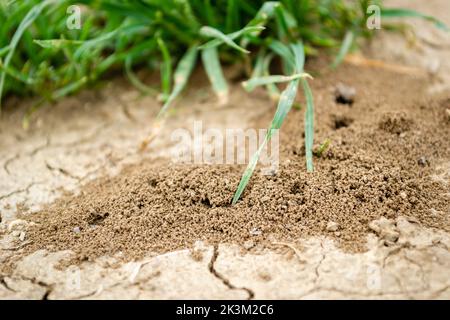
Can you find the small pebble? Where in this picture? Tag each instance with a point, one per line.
(255, 232)
(76, 230)
(403, 195)
(22, 236)
(345, 94)
(332, 226)
(422, 161)
(249, 244)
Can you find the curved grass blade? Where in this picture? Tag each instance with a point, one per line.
(218, 41)
(284, 106)
(56, 43)
(299, 56)
(16, 74)
(213, 69)
(309, 125)
(344, 49)
(166, 68)
(251, 84)
(135, 80)
(181, 76)
(266, 12)
(4, 50)
(214, 33)
(407, 13)
(32, 15)
(285, 53)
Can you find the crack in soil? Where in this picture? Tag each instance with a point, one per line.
(62, 171)
(222, 278)
(5, 285)
(19, 190)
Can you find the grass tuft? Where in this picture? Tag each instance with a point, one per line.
(40, 55)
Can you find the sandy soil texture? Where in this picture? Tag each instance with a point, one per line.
(84, 214)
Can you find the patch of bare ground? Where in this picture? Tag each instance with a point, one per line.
(378, 166)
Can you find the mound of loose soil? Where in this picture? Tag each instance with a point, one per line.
(384, 147)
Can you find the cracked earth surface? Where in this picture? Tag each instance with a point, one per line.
(97, 133)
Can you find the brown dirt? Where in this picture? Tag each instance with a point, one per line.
(383, 149)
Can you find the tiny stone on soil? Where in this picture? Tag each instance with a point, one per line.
(345, 94)
(255, 232)
(422, 161)
(332, 226)
(249, 244)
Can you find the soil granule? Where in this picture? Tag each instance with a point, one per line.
(372, 169)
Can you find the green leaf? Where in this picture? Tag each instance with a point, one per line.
(16, 74)
(284, 106)
(213, 69)
(252, 83)
(344, 49)
(309, 125)
(56, 43)
(32, 15)
(285, 53)
(166, 67)
(135, 80)
(181, 75)
(214, 33)
(218, 41)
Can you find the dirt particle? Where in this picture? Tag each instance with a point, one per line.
(197, 255)
(385, 229)
(332, 226)
(248, 244)
(423, 161)
(344, 94)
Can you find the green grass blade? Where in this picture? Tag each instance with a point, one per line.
(344, 49)
(299, 56)
(72, 87)
(266, 12)
(232, 15)
(285, 53)
(248, 172)
(284, 106)
(56, 43)
(407, 13)
(213, 69)
(4, 50)
(181, 75)
(232, 36)
(32, 15)
(214, 33)
(309, 125)
(16, 74)
(135, 80)
(166, 68)
(252, 83)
